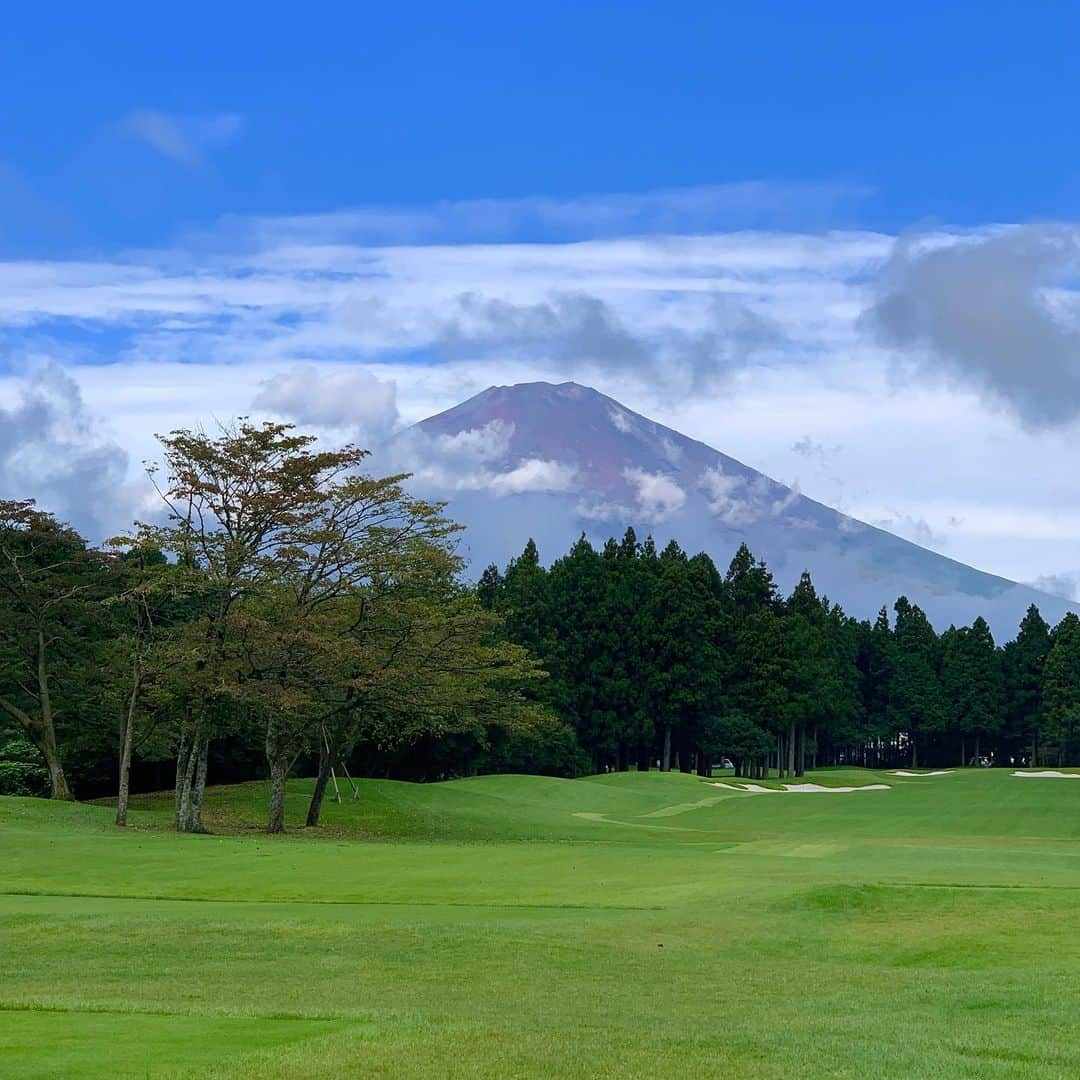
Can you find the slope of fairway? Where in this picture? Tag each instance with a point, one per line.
(620, 925)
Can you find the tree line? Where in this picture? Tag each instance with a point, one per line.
(657, 658)
(286, 612)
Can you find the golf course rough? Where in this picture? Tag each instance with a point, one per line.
(626, 925)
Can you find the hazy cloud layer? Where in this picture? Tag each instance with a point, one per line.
(668, 212)
(979, 309)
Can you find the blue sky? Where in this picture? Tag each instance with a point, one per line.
(837, 241)
(958, 113)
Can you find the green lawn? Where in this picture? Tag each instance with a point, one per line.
(623, 925)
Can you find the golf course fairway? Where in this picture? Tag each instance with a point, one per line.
(625, 925)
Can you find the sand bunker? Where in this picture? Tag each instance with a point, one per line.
(936, 772)
(805, 788)
(1051, 774)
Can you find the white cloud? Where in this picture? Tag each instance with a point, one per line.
(482, 444)
(54, 451)
(720, 492)
(739, 501)
(602, 510)
(658, 496)
(1065, 584)
(976, 308)
(182, 138)
(469, 460)
(347, 397)
(534, 474)
(916, 529)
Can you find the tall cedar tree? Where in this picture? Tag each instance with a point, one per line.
(1061, 688)
(917, 705)
(1023, 661)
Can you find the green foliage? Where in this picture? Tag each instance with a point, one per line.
(1061, 688)
(21, 770)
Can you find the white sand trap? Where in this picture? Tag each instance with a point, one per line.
(821, 787)
(1050, 774)
(936, 772)
(797, 788)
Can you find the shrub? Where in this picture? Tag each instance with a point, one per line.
(21, 771)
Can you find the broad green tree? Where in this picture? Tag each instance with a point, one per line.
(48, 579)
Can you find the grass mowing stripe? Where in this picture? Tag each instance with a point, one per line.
(131, 1010)
(161, 899)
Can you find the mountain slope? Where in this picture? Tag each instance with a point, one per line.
(552, 462)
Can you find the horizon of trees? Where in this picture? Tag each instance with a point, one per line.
(655, 656)
(293, 614)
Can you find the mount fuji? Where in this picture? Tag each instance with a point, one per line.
(553, 461)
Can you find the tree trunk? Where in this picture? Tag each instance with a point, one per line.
(57, 779)
(279, 768)
(914, 755)
(963, 751)
(813, 753)
(183, 754)
(128, 740)
(198, 789)
(978, 756)
(644, 759)
(317, 796)
(186, 780)
(191, 783)
(276, 819)
(665, 760)
(791, 751)
(800, 769)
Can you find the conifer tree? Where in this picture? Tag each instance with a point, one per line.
(916, 701)
(1023, 661)
(971, 677)
(1061, 688)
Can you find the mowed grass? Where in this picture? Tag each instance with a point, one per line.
(620, 925)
